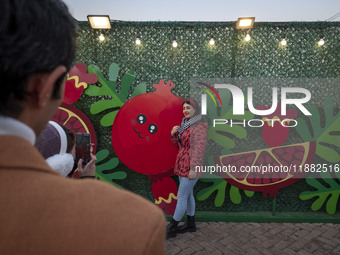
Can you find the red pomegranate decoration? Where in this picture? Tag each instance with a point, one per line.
(272, 168)
(268, 170)
(273, 132)
(77, 80)
(141, 137)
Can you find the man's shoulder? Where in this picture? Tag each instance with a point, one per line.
(106, 217)
(103, 192)
(113, 208)
(20, 155)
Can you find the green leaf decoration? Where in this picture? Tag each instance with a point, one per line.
(104, 169)
(102, 105)
(140, 89)
(113, 72)
(108, 119)
(219, 135)
(328, 136)
(324, 194)
(109, 88)
(249, 193)
(127, 81)
(235, 195)
(223, 134)
(218, 185)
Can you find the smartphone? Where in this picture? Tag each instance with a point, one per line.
(83, 147)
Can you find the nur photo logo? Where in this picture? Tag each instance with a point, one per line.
(302, 97)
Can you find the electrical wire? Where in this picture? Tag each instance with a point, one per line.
(333, 17)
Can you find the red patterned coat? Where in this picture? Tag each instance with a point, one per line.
(197, 135)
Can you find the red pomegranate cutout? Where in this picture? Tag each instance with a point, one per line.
(77, 80)
(141, 139)
(141, 130)
(293, 157)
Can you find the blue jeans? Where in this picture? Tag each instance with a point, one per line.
(185, 198)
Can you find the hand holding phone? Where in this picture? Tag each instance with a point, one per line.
(83, 148)
(89, 169)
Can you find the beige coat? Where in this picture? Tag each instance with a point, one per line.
(42, 212)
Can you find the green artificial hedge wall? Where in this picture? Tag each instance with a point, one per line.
(230, 57)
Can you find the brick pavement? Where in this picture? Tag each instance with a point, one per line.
(235, 238)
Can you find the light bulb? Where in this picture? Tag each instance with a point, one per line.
(212, 41)
(247, 38)
(138, 41)
(321, 42)
(283, 41)
(174, 43)
(101, 37)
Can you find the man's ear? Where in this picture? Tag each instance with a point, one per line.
(42, 85)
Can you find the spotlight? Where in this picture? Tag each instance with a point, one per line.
(99, 21)
(245, 23)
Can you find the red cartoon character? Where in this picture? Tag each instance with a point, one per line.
(141, 139)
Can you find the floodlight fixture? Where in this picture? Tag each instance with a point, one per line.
(245, 23)
(99, 21)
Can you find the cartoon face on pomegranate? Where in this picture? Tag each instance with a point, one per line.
(141, 130)
(139, 120)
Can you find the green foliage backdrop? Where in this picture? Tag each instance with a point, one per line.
(230, 57)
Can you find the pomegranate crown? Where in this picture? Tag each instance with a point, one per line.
(162, 87)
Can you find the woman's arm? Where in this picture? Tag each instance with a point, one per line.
(198, 143)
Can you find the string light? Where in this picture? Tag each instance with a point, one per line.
(321, 42)
(138, 41)
(247, 38)
(101, 37)
(212, 41)
(174, 43)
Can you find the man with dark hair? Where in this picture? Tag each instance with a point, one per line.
(40, 211)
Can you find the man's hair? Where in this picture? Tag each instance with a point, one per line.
(36, 36)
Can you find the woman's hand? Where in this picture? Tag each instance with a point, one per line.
(89, 169)
(174, 130)
(192, 175)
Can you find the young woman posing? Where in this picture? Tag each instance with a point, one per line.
(190, 138)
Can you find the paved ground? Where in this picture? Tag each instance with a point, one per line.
(258, 238)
